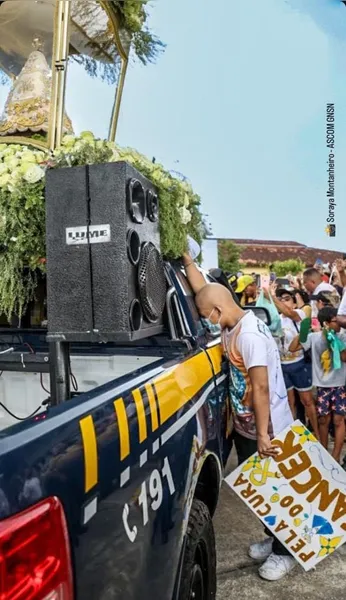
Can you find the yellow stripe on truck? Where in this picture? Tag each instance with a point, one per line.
(90, 453)
(142, 424)
(123, 426)
(215, 355)
(153, 407)
(177, 387)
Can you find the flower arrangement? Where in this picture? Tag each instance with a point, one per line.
(22, 209)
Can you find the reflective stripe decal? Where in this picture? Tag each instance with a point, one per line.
(90, 452)
(182, 383)
(215, 355)
(153, 407)
(123, 426)
(142, 424)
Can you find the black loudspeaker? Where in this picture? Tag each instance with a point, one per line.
(105, 273)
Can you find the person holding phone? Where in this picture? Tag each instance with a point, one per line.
(314, 284)
(296, 370)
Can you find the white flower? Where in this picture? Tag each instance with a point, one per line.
(4, 180)
(13, 239)
(68, 140)
(186, 201)
(16, 174)
(3, 168)
(28, 157)
(13, 163)
(87, 135)
(185, 215)
(34, 174)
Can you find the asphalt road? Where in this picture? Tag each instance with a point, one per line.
(236, 528)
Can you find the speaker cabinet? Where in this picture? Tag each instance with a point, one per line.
(105, 274)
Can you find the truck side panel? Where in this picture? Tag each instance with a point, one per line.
(124, 460)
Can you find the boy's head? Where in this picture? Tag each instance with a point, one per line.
(328, 316)
(287, 297)
(321, 301)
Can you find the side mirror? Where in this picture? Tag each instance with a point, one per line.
(261, 313)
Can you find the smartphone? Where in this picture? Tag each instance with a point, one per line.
(265, 281)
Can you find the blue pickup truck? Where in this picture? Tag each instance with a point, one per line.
(111, 494)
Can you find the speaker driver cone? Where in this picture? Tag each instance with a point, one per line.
(136, 201)
(152, 206)
(133, 244)
(152, 282)
(135, 315)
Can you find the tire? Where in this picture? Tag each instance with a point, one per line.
(198, 578)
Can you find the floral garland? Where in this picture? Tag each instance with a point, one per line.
(22, 209)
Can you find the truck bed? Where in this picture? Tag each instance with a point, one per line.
(22, 392)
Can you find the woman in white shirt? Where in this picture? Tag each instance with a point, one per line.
(296, 370)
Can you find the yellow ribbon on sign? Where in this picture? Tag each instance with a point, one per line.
(260, 472)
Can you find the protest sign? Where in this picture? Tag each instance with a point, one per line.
(300, 495)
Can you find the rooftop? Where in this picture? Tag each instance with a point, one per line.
(256, 252)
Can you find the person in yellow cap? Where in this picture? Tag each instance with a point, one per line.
(246, 290)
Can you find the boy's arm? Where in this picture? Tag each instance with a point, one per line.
(253, 350)
(295, 345)
(194, 276)
(281, 306)
(260, 388)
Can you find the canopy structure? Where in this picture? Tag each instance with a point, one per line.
(85, 31)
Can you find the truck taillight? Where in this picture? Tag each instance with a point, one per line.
(35, 559)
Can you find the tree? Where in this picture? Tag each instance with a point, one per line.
(229, 255)
(292, 266)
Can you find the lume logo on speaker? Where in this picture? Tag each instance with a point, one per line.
(95, 234)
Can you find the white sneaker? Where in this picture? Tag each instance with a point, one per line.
(276, 567)
(261, 550)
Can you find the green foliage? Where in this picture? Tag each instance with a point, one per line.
(146, 45)
(229, 256)
(292, 266)
(22, 209)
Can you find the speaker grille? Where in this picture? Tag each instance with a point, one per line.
(152, 282)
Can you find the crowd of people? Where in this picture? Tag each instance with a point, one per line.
(297, 370)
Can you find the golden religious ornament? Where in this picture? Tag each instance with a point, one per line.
(27, 108)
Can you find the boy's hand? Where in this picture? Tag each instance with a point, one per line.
(265, 447)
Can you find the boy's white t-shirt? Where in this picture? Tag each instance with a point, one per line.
(290, 331)
(251, 344)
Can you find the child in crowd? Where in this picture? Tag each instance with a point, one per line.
(328, 351)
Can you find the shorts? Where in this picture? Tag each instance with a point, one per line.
(298, 376)
(331, 400)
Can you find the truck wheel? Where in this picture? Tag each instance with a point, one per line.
(198, 579)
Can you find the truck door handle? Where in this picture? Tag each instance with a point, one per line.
(131, 533)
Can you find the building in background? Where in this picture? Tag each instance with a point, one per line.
(259, 255)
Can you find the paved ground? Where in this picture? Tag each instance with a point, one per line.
(236, 528)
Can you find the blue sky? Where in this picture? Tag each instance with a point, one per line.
(237, 104)
(239, 99)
